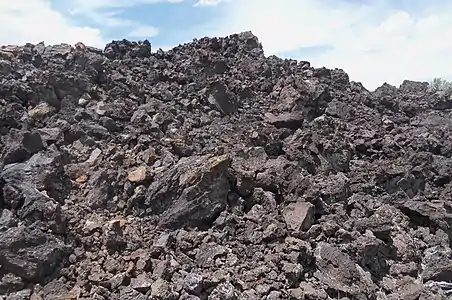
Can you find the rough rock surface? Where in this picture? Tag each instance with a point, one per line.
(213, 172)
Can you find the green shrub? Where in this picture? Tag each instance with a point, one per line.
(440, 85)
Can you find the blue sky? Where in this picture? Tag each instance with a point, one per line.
(374, 41)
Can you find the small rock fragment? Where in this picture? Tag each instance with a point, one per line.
(193, 284)
(138, 175)
(161, 290)
(224, 291)
(141, 283)
(41, 111)
(299, 215)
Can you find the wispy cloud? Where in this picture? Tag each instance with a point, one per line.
(89, 5)
(374, 41)
(38, 20)
(35, 21)
(110, 14)
(208, 2)
(144, 31)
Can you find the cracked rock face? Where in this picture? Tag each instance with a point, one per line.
(210, 171)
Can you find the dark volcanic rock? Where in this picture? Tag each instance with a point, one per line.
(30, 254)
(19, 146)
(210, 171)
(192, 192)
(35, 189)
(287, 120)
(222, 99)
(340, 274)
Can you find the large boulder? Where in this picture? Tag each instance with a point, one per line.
(30, 253)
(192, 192)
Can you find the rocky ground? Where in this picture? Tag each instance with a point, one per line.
(213, 172)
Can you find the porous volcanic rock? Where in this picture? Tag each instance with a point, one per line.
(211, 171)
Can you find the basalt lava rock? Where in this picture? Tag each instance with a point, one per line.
(211, 171)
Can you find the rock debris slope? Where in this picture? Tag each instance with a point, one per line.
(213, 172)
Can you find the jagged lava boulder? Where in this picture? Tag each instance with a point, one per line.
(211, 171)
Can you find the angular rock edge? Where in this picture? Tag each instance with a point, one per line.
(210, 171)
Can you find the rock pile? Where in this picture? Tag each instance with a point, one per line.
(213, 172)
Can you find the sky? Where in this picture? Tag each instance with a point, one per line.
(374, 41)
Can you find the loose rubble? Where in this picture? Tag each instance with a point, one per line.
(210, 171)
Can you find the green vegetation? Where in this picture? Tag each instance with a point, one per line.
(440, 85)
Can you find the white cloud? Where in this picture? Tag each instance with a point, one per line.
(208, 2)
(35, 21)
(164, 47)
(85, 5)
(144, 32)
(107, 13)
(373, 43)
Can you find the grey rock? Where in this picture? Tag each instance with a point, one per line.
(224, 291)
(142, 283)
(191, 193)
(127, 293)
(346, 279)
(213, 171)
(163, 269)
(50, 135)
(21, 146)
(161, 290)
(274, 295)
(222, 98)
(10, 283)
(20, 295)
(207, 254)
(102, 191)
(54, 290)
(118, 280)
(293, 273)
(30, 254)
(7, 220)
(310, 291)
(35, 187)
(41, 111)
(299, 215)
(437, 264)
(5, 67)
(287, 120)
(193, 284)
